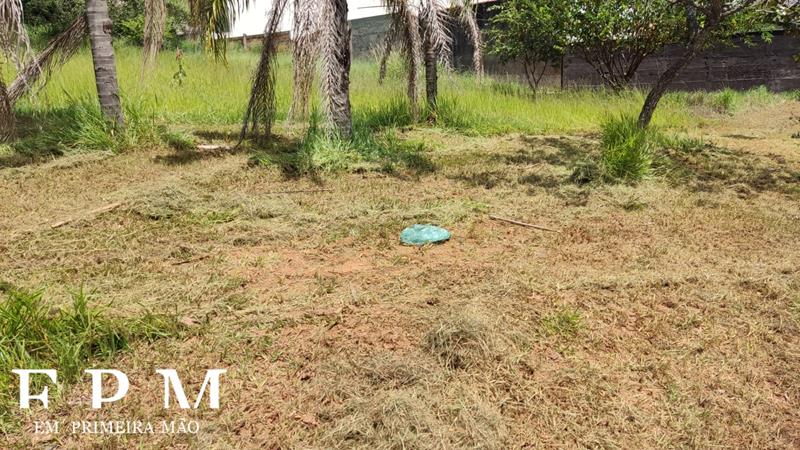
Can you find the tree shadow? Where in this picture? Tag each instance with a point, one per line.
(40, 136)
(555, 151)
(716, 168)
(539, 163)
(186, 155)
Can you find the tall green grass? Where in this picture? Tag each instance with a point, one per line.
(626, 151)
(34, 335)
(216, 93)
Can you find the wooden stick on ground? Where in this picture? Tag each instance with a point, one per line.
(91, 213)
(523, 224)
(298, 191)
(191, 260)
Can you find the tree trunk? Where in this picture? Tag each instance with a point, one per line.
(6, 114)
(431, 80)
(663, 82)
(336, 73)
(105, 70)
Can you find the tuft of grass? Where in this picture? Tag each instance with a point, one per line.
(34, 335)
(369, 148)
(626, 151)
(684, 144)
(177, 140)
(79, 126)
(460, 341)
(564, 322)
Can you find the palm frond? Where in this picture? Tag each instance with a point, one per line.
(213, 19)
(14, 40)
(467, 14)
(405, 30)
(436, 26)
(57, 52)
(304, 56)
(386, 52)
(155, 16)
(260, 113)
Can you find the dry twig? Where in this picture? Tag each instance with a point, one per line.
(524, 224)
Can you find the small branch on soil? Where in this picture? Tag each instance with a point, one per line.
(298, 191)
(212, 147)
(92, 213)
(523, 224)
(187, 261)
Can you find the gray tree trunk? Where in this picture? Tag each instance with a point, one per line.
(105, 69)
(336, 67)
(6, 115)
(431, 80)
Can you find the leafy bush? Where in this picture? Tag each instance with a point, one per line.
(626, 151)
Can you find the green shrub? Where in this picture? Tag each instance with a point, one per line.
(626, 151)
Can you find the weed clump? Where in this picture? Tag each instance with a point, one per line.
(369, 148)
(564, 322)
(626, 150)
(460, 341)
(33, 335)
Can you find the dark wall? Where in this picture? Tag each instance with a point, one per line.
(368, 34)
(740, 66)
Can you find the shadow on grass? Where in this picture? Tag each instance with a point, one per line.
(46, 133)
(715, 168)
(39, 136)
(185, 155)
(533, 164)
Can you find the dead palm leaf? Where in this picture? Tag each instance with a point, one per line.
(260, 113)
(155, 16)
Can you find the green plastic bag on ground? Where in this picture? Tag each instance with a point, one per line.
(424, 234)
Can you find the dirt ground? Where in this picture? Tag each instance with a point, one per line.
(661, 315)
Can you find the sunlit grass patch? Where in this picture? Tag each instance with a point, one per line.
(626, 150)
(36, 335)
(564, 322)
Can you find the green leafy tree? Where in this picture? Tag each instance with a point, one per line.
(704, 23)
(533, 32)
(615, 36)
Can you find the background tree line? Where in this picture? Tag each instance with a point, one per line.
(615, 36)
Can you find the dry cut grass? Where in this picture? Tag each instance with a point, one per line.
(661, 315)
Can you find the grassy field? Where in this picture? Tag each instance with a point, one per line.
(213, 93)
(661, 314)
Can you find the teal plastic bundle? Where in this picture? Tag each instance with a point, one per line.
(424, 234)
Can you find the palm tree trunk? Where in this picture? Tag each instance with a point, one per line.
(431, 79)
(336, 53)
(105, 70)
(6, 114)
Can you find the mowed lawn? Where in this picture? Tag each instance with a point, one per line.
(665, 314)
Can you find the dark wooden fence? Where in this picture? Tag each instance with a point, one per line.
(740, 66)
